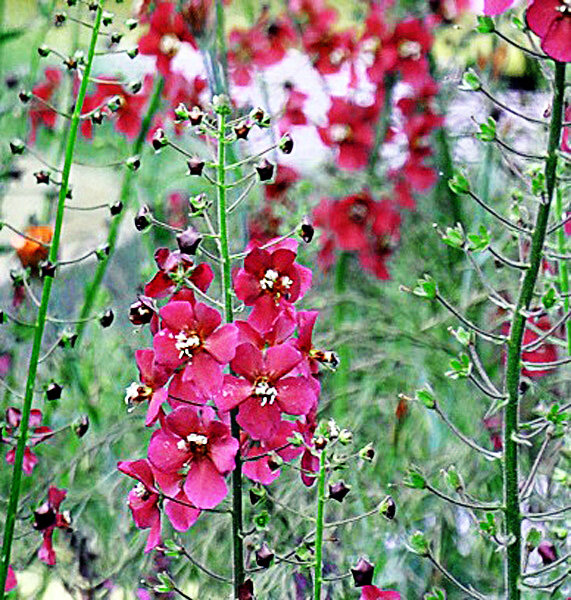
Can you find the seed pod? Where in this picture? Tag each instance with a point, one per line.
(265, 170)
(141, 312)
(286, 144)
(159, 140)
(306, 230)
(188, 241)
(53, 391)
(107, 318)
(388, 508)
(338, 491)
(195, 166)
(116, 208)
(363, 573)
(143, 219)
(80, 428)
(264, 556)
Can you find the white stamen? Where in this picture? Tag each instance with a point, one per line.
(410, 49)
(169, 44)
(266, 392)
(132, 392)
(185, 344)
(286, 282)
(339, 132)
(270, 277)
(197, 438)
(140, 490)
(337, 56)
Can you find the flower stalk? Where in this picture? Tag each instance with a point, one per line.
(513, 516)
(318, 572)
(12, 508)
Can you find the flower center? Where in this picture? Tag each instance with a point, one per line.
(137, 393)
(169, 44)
(186, 343)
(269, 279)
(564, 8)
(339, 133)
(265, 391)
(410, 49)
(336, 57)
(195, 443)
(358, 212)
(141, 491)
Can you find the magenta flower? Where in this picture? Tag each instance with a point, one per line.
(372, 592)
(264, 391)
(144, 502)
(551, 21)
(38, 434)
(496, 7)
(174, 268)
(279, 331)
(269, 279)
(47, 518)
(192, 337)
(197, 448)
(11, 582)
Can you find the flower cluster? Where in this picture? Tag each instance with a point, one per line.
(272, 385)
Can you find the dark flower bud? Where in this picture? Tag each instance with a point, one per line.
(133, 52)
(106, 319)
(59, 19)
(131, 24)
(198, 203)
(320, 443)
(275, 461)
(523, 387)
(71, 2)
(265, 170)
(388, 508)
(81, 426)
(47, 269)
(367, 453)
(188, 241)
(17, 146)
(286, 144)
(116, 208)
(11, 81)
(143, 219)
(2, 317)
(24, 96)
(181, 113)
(44, 517)
(107, 18)
(246, 590)
(363, 573)
(264, 556)
(195, 115)
(14, 173)
(44, 51)
(306, 230)
(135, 87)
(133, 163)
(547, 552)
(69, 194)
(195, 166)
(97, 117)
(71, 63)
(67, 340)
(53, 391)
(141, 312)
(338, 491)
(260, 117)
(93, 5)
(256, 494)
(159, 140)
(115, 103)
(116, 37)
(242, 130)
(103, 252)
(42, 177)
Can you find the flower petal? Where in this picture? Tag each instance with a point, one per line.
(204, 486)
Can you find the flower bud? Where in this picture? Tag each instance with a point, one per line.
(367, 453)
(195, 116)
(306, 230)
(264, 556)
(53, 391)
(320, 443)
(143, 219)
(44, 51)
(548, 552)
(131, 24)
(59, 19)
(198, 203)
(107, 18)
(133, 163)
(80, 428)
(135, 87)
(345, 437)
(97, 117)
(24, 96)
(363, 573)
(132, 52)
(260, 117)
(42, 177)
(44, 517)
(141, 312)
(195, 166)
(388, 508)
(242, 130)
(47, 269)
(103, 252)
(418, 543)
(265, 170)
(115, 103)
(246, 590)
(107, 318)
(17, 146)
(286, 144)
(338, 491)
(221, 104)
(159, 140)
(67, 340)
(116, 209)
(275, 461)
(188, 241)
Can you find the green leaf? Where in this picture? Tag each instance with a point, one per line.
(425, 288)
(426, 397)
(533, 538)
(470, 81)
(487, 131)
(418, 543)
(10, 34)
(485, 25)
(459, 184)
(415, 480)
(454, 236)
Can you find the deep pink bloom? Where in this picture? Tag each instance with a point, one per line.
(38, 433)
(199, 449)
(278, 332)
(261, 470)
(167, 32)
(312, 357)
(174, 269)
(264, 390)
(372, 592)
(39, 113)
(269, 279)
(496, 7)
(293, 111)
(551, 21)
(329, 49)
(284, 179)
(191, 336)
(350, 129)
(11, 582)
(47, 518)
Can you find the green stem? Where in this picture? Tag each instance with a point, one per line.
(42, 314)
(125, 197)
(513, 366)
(563, 271)
(225, 266)
(318, 576)
(341, 378)
(221, 43)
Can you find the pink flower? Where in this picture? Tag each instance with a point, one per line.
(264, 391)
(39, 113)
(269, 279)
(202, 448)
(496, 7)
(47, 518)
(192, 337)
(10, 580)
(38, 433)
(372, 592)
(174, 269)
(551, 21)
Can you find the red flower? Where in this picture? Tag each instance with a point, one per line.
(31, 253)
(284, 179)
(174, 269)
(350, 130)
(329, 49)
(167, 32)
(551, 21)
(47, 518)
(197, 445)
(144, 502)
(372, 592)
(278, 332)
(192, 337)
(11, 582)
(293, 111)
(38, 434)
(39, 113)
(264, 391)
